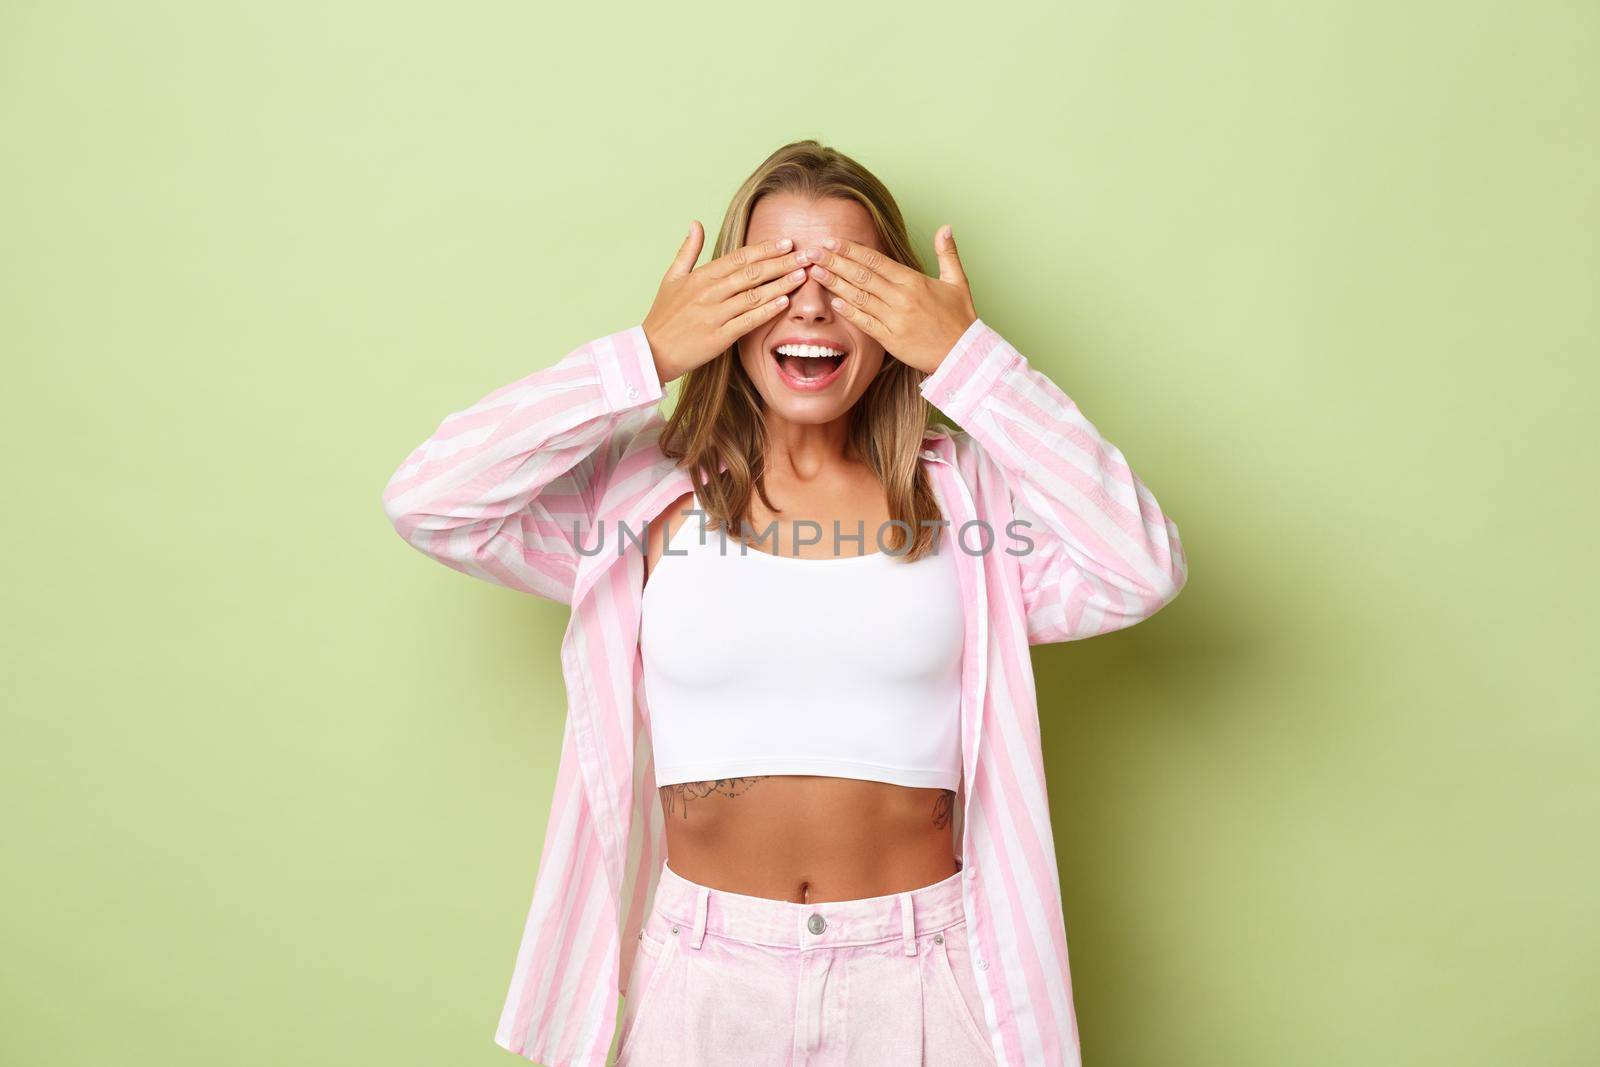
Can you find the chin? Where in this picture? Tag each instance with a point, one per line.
(809, 414)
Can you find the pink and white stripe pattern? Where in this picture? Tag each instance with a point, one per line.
(533, 487)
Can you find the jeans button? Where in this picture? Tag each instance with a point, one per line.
(816, 924)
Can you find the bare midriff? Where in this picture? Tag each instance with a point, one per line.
(809, 838)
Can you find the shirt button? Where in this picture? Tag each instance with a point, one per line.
(816, 924)
(633, 392)
(929, 453)
(983, 965)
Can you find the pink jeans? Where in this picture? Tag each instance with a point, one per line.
(725, 978)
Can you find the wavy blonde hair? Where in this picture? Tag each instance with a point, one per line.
(717, 431)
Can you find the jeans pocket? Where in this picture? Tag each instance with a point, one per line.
(960, 982)
(656, 950)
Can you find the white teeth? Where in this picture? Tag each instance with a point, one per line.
(809, 351)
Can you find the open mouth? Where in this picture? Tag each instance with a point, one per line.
(809, 367)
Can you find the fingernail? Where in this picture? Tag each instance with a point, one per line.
(785, 244)
(783, 300)
(831, 242)
(796, 275)
(820, 271)
(836, 302)
(802, 256)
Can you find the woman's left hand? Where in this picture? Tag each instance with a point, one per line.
(916, 318)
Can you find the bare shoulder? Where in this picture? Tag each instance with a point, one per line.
(662, 527)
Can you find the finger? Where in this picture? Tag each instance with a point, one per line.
(753, 274)
(944, 246)
(745, 256)
(864, 299)
(859, 275)
(869, 324)
(688, 252)
(746, 299)
(740, 325)
(891, 270)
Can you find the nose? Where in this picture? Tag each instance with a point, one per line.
(809, 303)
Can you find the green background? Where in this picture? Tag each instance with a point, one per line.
(275, 784)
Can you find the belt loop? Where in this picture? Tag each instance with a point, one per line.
(908, 928)
(701, 905)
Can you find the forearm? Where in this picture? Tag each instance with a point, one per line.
(1106, 548)
(500, 487)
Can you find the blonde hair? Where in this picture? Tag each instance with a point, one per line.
(716, 430)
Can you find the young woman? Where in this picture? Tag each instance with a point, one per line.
(800, 814)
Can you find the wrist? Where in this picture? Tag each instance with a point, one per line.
(945, 347)
(666, 370)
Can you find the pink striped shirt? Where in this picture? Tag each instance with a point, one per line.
(546, 485)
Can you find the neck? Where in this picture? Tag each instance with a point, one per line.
(803, 450)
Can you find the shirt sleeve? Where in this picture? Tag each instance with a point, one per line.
(1095, 551)
(505, 489)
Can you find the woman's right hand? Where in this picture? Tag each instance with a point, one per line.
(701, 311)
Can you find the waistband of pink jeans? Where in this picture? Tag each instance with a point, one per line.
(786, 924)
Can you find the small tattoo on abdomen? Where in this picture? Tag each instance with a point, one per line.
(687, 791)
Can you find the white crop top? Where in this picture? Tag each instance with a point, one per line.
(756, 663)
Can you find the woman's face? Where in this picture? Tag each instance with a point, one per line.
(808, 388)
